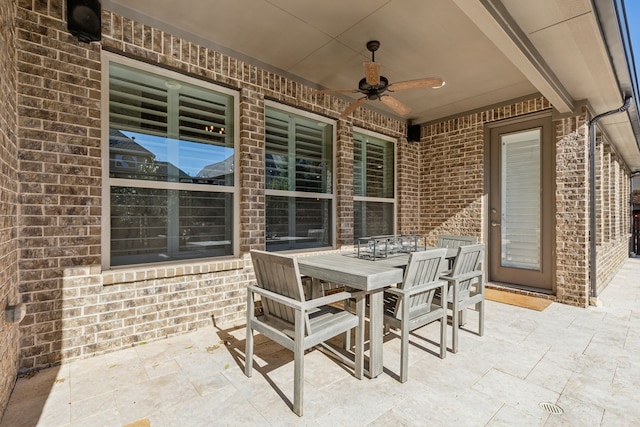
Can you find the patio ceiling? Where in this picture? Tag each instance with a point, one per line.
(487, 51)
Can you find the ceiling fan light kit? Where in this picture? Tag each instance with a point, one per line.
(373, 86)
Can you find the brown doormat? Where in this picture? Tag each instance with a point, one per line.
(519, 300)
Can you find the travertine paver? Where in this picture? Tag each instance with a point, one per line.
(584, 360)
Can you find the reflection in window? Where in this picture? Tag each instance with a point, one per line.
(171, 168)
(298, 181)
(373, 179)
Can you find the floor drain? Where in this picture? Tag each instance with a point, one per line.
(552, 408)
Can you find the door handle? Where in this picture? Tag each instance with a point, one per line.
(495, 224)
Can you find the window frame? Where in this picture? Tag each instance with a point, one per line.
(305, 194)
(107, 182)
(393, 200)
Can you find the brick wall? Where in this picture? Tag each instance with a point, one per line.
(74, 308)
(59, 170)
(9, 337)
(452, 170)
(452, 187)
(613, 204)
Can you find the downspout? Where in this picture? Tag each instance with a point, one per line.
(592, 192)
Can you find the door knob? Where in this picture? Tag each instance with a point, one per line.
(495, 224)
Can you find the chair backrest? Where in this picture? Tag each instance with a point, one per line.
(279, 274)
(423, 267)
(469, 259)
(451, 241)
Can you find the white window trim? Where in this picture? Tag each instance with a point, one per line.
(395, 176)
(107, 183)
(334, 208)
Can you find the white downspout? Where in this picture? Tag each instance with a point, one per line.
(592, 197)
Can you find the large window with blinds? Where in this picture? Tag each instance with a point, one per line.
(299, 206)
(373, 182)
(170, 163)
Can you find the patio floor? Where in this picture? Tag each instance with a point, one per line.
(584, 360)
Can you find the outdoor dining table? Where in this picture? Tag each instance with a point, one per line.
(365, 275)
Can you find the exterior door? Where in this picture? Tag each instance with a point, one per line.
(521, 205)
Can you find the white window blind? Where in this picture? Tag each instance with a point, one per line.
(520, 184)
(374, 202)
(171, 168)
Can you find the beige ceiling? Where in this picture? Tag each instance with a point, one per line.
(487, 51)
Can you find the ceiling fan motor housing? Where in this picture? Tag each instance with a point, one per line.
(373, 91)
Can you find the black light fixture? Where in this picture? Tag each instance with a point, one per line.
(84, 19)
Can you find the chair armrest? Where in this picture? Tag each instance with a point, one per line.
(290, 302)
(317, 302)
(471, 275)
(416, 289)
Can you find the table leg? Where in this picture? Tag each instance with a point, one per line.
(375, 332)
(316, 288)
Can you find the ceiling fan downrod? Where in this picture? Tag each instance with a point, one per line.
(372, 46)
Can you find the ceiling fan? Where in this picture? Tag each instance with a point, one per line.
(374, 86)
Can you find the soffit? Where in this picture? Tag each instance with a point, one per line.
(561, 53)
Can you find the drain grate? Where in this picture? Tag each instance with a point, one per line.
(552, 408)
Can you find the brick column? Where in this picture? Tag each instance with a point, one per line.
(250, 161)
(344, 178)
(408, 186)
(572, 211)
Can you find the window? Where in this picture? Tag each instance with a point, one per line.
(170, 163)
(298, 181)
(373, 182)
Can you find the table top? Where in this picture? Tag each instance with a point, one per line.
(364, 274)
(346, 269)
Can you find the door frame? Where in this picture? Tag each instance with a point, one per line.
(548, 216)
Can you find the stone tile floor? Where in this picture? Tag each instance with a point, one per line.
(587, 361)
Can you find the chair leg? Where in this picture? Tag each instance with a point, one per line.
(480, 308)
(455, 324)
(443, 336)
(359, 350)
(404, 345)
(298, 363)
(347, 335)
(248, 350)
(463, 317)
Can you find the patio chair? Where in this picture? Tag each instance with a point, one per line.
(411, 305)
(466, 288)
(294, 323)
(452, 241)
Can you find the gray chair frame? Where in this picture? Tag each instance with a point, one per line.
(294, 323)
(466, 288)
(452, 241)
(411, 305)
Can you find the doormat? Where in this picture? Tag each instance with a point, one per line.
(526, 301)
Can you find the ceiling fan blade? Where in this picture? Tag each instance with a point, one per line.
(372, 73)
(429, 82)
(395, 105)
(353, 107)
(317, 92)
